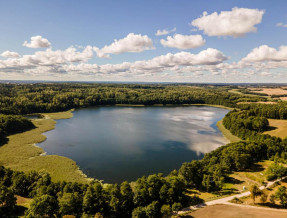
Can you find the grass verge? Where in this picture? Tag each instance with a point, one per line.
(226, 133)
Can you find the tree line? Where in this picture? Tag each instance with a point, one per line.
(271, 111)
(152, 196)
(39, 98)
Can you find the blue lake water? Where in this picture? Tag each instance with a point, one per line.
(124, 143)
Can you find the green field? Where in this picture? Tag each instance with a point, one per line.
(237, 91)
(21, 153)
(280, 128)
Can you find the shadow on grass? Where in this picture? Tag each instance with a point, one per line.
(255, 168)
(233, 181)
(225, 192)
(188, 215)
(268, 204)
(4, 137)
(192, 200)
(269, 128)
(228, 191)
(3, 140)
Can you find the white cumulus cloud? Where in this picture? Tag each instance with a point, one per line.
(164, 32)
(49, 57)
(161, 63)
(131, 43)
(183, 41)
(209, 56)
(10, 54)
(266, 53)
(236, 22)
(281, 25)
(37, 42)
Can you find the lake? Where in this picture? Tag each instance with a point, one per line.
(124, 143)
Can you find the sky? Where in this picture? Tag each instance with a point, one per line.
(192, 41)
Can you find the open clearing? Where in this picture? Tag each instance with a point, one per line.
(237, 91)
(283, 98)
(280, 128)
(270, 91)
(21, 153)
(21, 201)
(255, 175)
(230, 211)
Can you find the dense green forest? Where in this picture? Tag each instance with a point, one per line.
(37, 98)
(151, 196)
(272, 111)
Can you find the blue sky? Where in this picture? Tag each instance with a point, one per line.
(98, 23)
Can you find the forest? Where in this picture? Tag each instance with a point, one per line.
(39, 98)
(151, 196)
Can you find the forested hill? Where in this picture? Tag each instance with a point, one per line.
(36, 98)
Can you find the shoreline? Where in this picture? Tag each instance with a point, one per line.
(169, 105)
(22, 153)
(60, 168)
(226, 133)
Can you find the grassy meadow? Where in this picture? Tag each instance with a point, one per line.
(21, 153)
(280, 128)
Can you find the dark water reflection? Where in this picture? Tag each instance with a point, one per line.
(124, 143)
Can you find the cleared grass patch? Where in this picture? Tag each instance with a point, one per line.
(226, 133)
(283, 98)
(280, 128)
(24, 202)
(270, 91)
(237, 91)
(21, 153)
(206, 196)
(59, 115)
